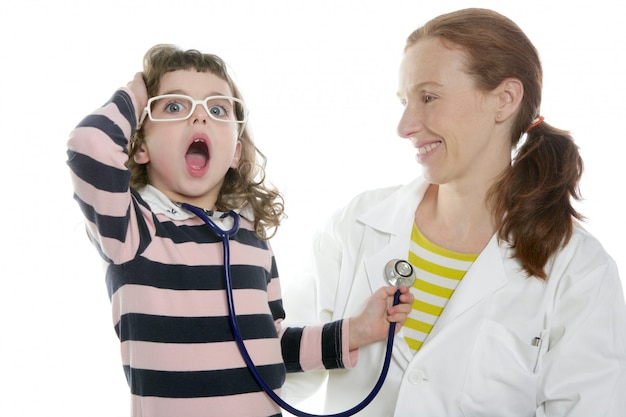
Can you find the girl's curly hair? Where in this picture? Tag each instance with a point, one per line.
(243, 186)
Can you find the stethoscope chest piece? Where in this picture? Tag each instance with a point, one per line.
(399, 273)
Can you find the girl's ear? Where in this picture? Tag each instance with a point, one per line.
(510, 93)
(141, 156)
(236, 156)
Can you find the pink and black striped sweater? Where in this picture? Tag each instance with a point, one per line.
(165, 281)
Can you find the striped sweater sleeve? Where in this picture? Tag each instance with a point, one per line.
(97, 154)
(311, 347)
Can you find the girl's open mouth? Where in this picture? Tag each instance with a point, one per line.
(197, 156)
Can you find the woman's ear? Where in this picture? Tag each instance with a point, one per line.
(509, 93)
(141, 156)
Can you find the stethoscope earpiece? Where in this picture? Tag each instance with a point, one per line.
(399, 273)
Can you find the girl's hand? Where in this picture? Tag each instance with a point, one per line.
(138, 87)
(372, 324)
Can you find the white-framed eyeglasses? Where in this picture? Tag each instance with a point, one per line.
(174, 107)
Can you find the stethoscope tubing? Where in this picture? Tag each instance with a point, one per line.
(232, 318)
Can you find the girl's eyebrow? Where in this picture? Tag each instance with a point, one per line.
(180, 92)
(184, 93)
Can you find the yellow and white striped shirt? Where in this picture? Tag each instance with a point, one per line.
(439, 272)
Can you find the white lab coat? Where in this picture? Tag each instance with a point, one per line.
(505, 345)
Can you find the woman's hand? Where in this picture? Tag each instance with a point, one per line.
(372, 324)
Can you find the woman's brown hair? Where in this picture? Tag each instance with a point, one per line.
(532, 198)
(243, 186)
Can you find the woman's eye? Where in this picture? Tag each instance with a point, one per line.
(428, 98)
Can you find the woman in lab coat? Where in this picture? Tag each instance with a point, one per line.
(536, 323)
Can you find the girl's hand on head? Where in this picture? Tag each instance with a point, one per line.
(138, 87)
(372, 324)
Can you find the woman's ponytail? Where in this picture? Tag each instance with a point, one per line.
(533, 199)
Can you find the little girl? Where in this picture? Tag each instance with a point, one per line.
(133, 162)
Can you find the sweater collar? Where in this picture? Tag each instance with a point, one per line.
(160, 204)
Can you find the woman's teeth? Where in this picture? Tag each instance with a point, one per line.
(427, 148)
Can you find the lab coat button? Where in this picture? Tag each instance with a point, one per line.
(416, 376)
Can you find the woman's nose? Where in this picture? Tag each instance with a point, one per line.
(409, 124)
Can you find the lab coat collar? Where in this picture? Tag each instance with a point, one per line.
(391, 221)
(487, 275)
(391, 215)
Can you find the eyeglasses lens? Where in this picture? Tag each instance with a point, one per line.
(173, 107)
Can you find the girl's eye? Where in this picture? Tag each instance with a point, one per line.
(174, 107)
(428, 98)
(217, 111)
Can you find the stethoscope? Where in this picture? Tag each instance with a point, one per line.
(397, 273)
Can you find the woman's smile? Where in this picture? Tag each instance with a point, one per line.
(426, 149)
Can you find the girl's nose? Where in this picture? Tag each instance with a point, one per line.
(200, 114)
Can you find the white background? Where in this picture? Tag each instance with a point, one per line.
(320, 80)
